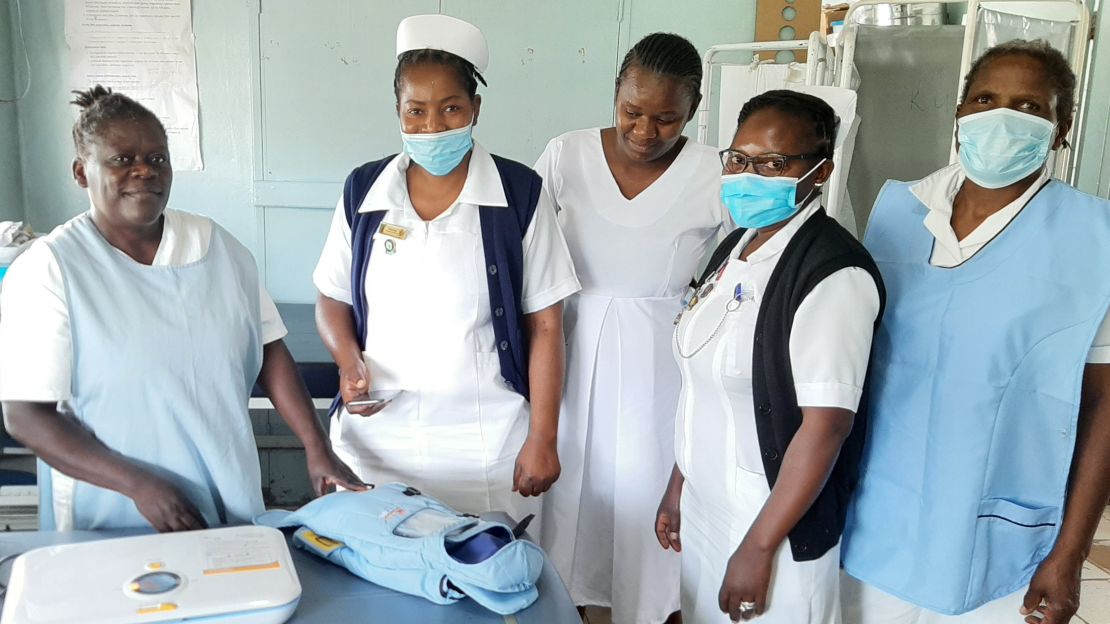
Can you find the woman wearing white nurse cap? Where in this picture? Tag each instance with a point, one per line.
(443, 276)
(443, 32)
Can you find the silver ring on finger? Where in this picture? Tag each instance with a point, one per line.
(747, 609)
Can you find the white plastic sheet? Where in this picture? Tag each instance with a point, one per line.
(996, 26)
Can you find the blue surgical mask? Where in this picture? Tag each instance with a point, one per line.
(755, 201)
(441, 152)
(1002, 146)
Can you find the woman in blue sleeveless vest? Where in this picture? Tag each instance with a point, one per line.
(442, 277)
(773, 348)
(985, 470)
(151, 326)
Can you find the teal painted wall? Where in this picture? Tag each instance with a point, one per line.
(49, 194)
(552, 69)
(222, 190)
(1094, 166)
(11, 186)
(294, 94)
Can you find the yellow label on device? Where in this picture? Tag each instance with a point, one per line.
(395, 231)
(158, 608)
(320, 543)
(273, 565)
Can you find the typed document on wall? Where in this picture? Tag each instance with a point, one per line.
(145, 50)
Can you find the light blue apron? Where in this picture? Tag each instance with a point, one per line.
(977, 372)
(164, 358)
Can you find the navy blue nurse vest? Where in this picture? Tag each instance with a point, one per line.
(503, 230)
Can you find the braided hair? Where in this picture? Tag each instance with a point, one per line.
(670, 55)
(802, 106)
(467, 74)
(101, 106)
(1057, 71)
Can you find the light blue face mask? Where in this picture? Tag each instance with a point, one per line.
(1002, 146)
(755, 201)
(439, 153)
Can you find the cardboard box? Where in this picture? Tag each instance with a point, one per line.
(773, 16)
(830, 14)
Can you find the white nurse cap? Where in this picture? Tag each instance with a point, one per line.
(443, 32)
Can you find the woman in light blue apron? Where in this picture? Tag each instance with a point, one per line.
(131, 338)
(985, 472)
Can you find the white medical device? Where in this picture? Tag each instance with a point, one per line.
(241, 575)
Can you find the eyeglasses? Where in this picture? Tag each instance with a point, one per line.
(768, 165)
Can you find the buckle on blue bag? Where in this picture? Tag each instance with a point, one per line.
(522, 526)
(446, 587)
(411, 491)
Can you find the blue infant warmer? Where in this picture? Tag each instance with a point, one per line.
(398, 538)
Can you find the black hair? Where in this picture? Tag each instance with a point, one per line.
(803, 106)
(669, 55)
(468, 75)
(1057, 71)
(101, 106)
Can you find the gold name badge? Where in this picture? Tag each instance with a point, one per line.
(394, 231)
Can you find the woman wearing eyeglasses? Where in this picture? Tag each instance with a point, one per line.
(773, 348)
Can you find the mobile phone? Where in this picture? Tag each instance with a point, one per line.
(375, 398)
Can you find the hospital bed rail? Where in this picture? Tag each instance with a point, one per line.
(707, 72)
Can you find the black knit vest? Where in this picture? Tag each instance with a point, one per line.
(818, 249)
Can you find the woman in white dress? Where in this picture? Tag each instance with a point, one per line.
(639, 205)
(773, 348)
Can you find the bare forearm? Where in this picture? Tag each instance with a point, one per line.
(336, 324)
(1089, 486)
(805, 468)
(68, 447)
(283, 384)
(546, 363)
(675, 483)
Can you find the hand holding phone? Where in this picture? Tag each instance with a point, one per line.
(354, 382)
(375, 398)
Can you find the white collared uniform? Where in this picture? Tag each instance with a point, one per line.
(635, 258)
(863, 603)
(456, 430)
(715, 433)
